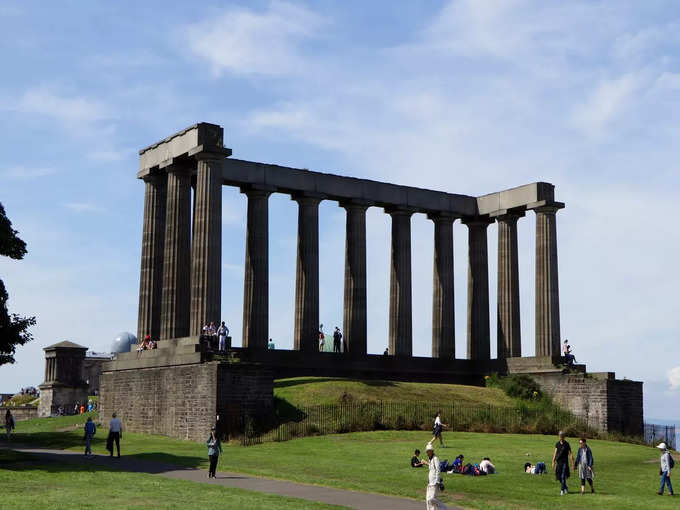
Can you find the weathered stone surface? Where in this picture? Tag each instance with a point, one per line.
(400, 332)
(64, 385)
(306, 334)
(256, 281)
(478, 333)
(184, 401)
(547, 282)
(355, 305)
(509, 327)
(206, 248)
(177, 255)
(153, 247)
(443, 314)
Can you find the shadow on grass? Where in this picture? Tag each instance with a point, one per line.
(302, 380)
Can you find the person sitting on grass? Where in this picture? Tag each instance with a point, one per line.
(487, 466)
(538, 469)
(458, 463)
(415, 460)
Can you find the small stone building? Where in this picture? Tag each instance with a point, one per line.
(64, 385)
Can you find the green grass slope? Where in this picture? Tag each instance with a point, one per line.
(29, 484)
(626, 474)
(305, 391)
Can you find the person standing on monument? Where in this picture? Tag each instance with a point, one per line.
(90, 431)
(337, 337)
(214, 450)
(115, 435)
(561, 459)
(222, 333)
(322, 338)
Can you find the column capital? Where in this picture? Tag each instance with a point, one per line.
(257, 191)
(202, 153)
(477, 221)
(307, 198)
(178, 166)
(443, 217)
(355, 204)
(544, 206)
(508, 216)
(400, 211)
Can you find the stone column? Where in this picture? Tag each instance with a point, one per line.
(256, 280)
(153, 244)
(206, 248)
(478, 334)
(306, 336)
(443, 314)
(400, 333)
(509, 330)
(177, 256)
(547, 285)
(355, 306)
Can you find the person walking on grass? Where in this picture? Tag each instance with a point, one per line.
(90, 431)
(584, 465)
(560, 462)
(214, 450)
(115, 435)
(667, 463)
(9, 423)
(437, 429)
(433, 480)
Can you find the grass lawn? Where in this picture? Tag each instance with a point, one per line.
(29, 484)
(304, 391)
(626, 475)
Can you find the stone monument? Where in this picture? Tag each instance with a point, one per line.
(64, 385)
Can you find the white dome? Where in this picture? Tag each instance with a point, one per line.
(122, 342)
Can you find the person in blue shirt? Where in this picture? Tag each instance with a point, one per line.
(90, 431)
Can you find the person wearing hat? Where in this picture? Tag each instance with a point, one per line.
(665, 470)
(434, 480)
(214, 450)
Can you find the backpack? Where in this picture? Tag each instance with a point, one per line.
(671, 462)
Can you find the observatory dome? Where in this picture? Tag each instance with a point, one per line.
(122, 342)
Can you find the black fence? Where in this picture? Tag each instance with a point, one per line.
(366, 416)
(655, 434)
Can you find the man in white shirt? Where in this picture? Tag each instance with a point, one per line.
(433, 480)
(115, 435)
(222, 333)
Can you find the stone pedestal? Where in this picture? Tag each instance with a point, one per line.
(64, 385)
(256, 280)
(306, 335)
(443, 314)
(400, 332)
(355, 305)
(509, 327)
(478, 334)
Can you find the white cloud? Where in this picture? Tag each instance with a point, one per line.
(244, 41)
(609, 100)
(67, 109)
(82, 207)
(21, 173)
(674, 378)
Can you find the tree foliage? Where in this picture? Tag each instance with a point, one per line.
(13, 328)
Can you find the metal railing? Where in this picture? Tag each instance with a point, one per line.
(655, 434)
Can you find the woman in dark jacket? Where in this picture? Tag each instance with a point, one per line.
(214, 450)
(584, 465)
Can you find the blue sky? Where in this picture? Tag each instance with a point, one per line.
(463, 96)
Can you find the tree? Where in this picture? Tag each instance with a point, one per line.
(13, 328)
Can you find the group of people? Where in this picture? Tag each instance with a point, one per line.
(146, 345)
(337, 340)
(113, 438)
(219, 333)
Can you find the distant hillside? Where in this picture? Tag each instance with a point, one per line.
(303, 391)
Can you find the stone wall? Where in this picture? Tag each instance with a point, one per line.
(21, 413)
(53, 396)
(183, 401)
(605, 403)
